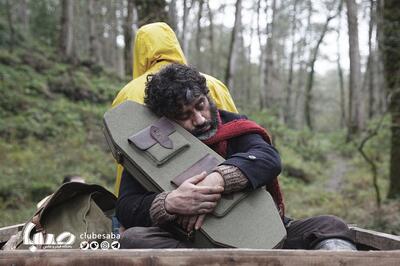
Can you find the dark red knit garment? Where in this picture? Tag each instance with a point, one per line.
(235, 128)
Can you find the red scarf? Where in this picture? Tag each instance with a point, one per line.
(235, 128)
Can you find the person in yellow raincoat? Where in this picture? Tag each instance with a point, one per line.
(156, 46)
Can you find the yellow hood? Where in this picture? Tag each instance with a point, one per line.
(158, 42)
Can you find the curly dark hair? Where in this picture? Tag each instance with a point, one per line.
(173, 87)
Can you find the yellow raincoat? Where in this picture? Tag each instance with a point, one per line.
(156, 45)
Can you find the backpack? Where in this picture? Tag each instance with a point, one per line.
(75, 213)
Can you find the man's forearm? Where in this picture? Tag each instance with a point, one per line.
(234, 179)
(158, 213)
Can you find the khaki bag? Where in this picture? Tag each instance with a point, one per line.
(74, 212)
(160, 155)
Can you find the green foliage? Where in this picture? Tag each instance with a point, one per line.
(9, 59)
(50, 126)
(320, 156)
(310, 146)
(36, 60)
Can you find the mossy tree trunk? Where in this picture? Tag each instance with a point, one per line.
(128, 34)
(289, 87)
(94, 46)
(212, 61)
(232, 55)
(269, 59)
(66, 35)
(355, 96)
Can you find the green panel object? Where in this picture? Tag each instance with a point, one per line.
(244, 220)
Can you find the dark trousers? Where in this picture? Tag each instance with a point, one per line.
(306, 233)
(301, 234)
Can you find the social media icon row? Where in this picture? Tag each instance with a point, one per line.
(85, 245)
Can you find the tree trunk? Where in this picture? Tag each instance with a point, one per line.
(310, 78)
(198, 35)
(112, 36)
(340, 74)
(128, 34)
(23, 16)
(66, 36)
(94, 49)
(269, 60)
(288, 107)
(249, 73)
(172, 15)
(371, 62)
(341, 88)
(232, 51)
(261, 97)
(302, 58)
(391, 57)
(10, 26)
(80, 43)
(184, 39)
(151, 11)
(381, 93)
(100, 30)
(355, 100)
(211, 37)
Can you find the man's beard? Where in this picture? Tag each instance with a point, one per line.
(202, 132)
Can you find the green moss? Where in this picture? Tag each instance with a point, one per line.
(8, 58)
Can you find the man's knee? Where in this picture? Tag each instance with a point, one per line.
(149, 237)
(332, 221)
(133, 237)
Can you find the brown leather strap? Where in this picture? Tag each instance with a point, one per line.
(158, 132)
(36, 222)
(207, 163)
(161, 138)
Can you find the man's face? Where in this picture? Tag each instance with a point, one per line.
(196, 117)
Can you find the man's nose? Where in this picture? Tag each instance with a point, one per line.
(198, 119)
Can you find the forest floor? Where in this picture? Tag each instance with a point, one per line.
(337, 171)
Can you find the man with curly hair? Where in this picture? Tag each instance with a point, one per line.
(156, 46)
(180, 93)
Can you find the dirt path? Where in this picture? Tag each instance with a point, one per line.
(337, 171)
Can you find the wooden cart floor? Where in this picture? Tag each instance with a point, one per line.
(388, 253)
(199, 257)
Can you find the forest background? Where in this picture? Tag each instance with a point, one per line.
(322, 76)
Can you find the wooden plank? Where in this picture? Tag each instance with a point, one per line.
(11, 244)
(200, 257)
(377, 240)
(8, 231)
